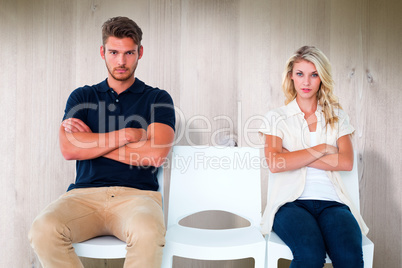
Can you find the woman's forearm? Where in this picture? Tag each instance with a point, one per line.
(285, 160)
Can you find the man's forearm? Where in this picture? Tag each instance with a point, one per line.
(150, 152)
(82, 146)
(139, 155)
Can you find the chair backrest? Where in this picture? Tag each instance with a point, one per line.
(350, 180)
(215, 178)
(159, 176)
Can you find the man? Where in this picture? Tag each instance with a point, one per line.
(119, 131)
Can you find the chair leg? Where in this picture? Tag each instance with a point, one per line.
(259, 262)
(368, 255)
(368, 260)
(272, 262)
(167, 261)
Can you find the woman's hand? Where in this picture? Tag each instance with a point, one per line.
(324, 149)
(336, 158)
(322, 156)
(327, 149)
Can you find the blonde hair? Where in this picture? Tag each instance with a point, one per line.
(325, 95)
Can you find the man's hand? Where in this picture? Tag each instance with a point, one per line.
(152, 150)
(134, 134)
(74, 125)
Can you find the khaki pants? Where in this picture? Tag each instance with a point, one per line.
(132, 215)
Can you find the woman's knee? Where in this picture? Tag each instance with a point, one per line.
(348, 257)
(309, 256)
(344, 241)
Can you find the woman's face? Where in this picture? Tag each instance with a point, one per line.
(305, 79)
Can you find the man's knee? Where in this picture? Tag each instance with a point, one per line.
(43, 230)
(146, 227)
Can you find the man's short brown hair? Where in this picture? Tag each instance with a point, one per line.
(121, 27)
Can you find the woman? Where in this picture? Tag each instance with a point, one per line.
(306, 142)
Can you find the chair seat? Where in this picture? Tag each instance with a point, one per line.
(283, 249)
(279, 248)
(102, 247)
(243, 242)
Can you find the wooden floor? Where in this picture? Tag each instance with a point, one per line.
(222, 61)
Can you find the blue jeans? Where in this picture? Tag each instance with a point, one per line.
(310, 228)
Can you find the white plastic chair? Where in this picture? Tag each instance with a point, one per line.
(220, 179)
(277, 249)
(108, 247)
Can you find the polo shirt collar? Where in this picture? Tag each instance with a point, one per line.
(293, 108)
(137, 87)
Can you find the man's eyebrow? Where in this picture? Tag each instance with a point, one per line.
(115, 50)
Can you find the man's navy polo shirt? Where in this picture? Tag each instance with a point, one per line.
(103, 110)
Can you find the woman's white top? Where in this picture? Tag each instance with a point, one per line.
(288, 123)
(318, 185)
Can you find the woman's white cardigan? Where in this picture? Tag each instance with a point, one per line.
(288, 123)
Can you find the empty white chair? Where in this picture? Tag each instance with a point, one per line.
(277, 249)
(108, 247)
(212, 178)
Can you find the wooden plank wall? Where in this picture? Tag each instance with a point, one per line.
(222, 62)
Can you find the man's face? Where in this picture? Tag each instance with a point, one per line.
(121, 56)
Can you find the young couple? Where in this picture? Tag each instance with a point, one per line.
(105, 124)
